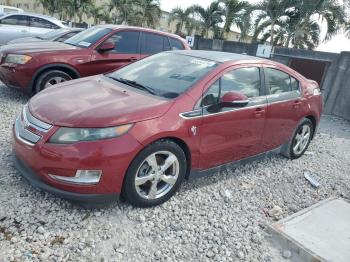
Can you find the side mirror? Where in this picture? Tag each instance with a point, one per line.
(106, 46)
(234, 99)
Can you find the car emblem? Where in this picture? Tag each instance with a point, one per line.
(194, 130)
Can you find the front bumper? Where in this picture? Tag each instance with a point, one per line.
(88, 200)
(19, 76)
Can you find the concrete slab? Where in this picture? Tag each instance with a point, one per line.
(318, 233)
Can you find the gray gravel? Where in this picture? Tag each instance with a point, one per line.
(221, 218)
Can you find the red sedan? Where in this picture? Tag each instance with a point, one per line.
(35, 66)
(141, 130)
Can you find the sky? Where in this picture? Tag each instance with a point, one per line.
(336, 44)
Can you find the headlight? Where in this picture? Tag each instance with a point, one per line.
(17, 59)
(67, 135)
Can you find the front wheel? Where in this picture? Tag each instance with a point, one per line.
(300, 141)
(155, 174)
(50, 78)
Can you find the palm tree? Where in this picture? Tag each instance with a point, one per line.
(51, 6)
(147, 13)
(271, 13)
(237, 13)
(121, 10)
(180, 16)
(97, 13)
(209, 17)
(328, 11)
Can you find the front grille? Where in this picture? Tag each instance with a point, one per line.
(29, 129)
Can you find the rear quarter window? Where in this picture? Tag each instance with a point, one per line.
(176, 44)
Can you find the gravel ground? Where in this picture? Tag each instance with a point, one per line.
(221, 218)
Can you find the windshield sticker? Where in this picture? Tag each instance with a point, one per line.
(86, 44)
(183, 77)
(202, 62)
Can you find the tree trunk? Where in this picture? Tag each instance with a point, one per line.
(272, 32)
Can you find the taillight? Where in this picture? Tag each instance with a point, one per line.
(316, 91)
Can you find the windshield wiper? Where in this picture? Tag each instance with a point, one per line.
(134, 84)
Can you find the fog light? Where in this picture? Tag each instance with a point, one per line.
(83, 177)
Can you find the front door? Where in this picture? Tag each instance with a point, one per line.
(229, 134)
(126, 51)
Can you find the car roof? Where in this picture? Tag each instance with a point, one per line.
(46, 17)
(114, 27)
(217, 56)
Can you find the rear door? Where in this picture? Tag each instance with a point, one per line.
(126, 51)
(12, 27)
(153, 43)
(284, 106)
(229, 134)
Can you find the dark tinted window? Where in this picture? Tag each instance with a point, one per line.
(277, 81)
(176, 44)
(88, 37)
(15, 20)
(243, 80)
(166, 44)
(125, 42)
(42, 23)
(152, 43)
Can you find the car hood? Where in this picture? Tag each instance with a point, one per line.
(95, 102)
(25, 40)
(41, 46)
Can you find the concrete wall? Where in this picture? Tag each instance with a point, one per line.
(336, 79)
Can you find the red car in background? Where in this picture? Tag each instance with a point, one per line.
(141, 130)
(100, 49)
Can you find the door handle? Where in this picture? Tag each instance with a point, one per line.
(296, 104)
(259, 112)
(133, 59)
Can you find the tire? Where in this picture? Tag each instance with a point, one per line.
(51, 77)
(303, 134)
(145, 187)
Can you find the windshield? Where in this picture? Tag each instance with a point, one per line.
(88, 37)
(52, 34)
(167, 74)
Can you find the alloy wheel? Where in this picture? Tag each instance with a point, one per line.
(55, 80)
(301, 139)
(157, 175)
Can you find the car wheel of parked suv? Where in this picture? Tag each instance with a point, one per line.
(50, 78)
(300, 141)
(155, 174)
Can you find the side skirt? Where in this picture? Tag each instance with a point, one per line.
(199, 173)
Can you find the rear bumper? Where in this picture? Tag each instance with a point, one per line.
(86, 200)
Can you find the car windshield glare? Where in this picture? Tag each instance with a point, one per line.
(88, 37)
(168, 74)
(52, 34)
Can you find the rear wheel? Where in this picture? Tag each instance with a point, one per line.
(300, 141)
(155, 174)
(50, 78)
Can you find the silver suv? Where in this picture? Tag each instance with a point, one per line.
(14, 26)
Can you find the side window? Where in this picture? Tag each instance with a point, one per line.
(42, 23)
(176, 44)
(15, 20)
(294, 84)
(166, 45)
(152, 43)
(243, 80)
(211, 97)
(126, 42)
(277, 81)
